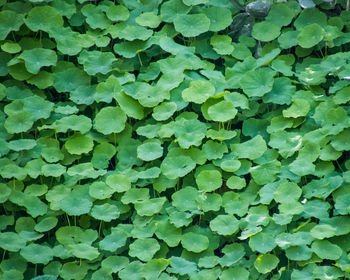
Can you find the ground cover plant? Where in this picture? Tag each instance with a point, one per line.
(178, 139)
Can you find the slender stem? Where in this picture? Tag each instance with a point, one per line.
(68, 219)
(75, 220)
(3, 255)
(99, 228)
(36, 270)
(138, 55)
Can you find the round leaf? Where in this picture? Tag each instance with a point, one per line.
(209, 180)
(194, 242)
(265, 263)
(110, 120)
(191, 25)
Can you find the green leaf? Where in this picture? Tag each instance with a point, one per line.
(185, 199)
(299, 108)
(266, 31)
(129, 32)
(22, 144)
(299, 253)
(266, 263)
(10, 47)
(287, 192)
(19, 122)
(258, 82)
(150, 150)
(114, 241)
(233, 253)
(54, 170)
(148, 19)
(195, 2)
(236, 183)
(36, 253)
(150, 207)
(175, 167)
(79, 123)
(194, 242)
(43, 18)
(339, 142)
(110, 120)
(262, 242)
(46, 224)
(251, 149)
(164, 111)
(36, 58)
(83, 251)
(326, 250)
(11, 241)
(191, 25)
(117, 13)
(310, 35)
(75, 205)
(222, 111)
(209, 180)
(222, 44)
(168, 233)
(96, 62)
(95, 18)
(220, 18)
(170, 9)
(144, 249)
(105, 212)
(224, 224)
(79, 144)
(100, 190)
(198, 92)
(118, 182)
(280, 14)
(10, 21)
(323, 231)
(235, 273)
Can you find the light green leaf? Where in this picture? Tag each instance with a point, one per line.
(150, 150)
(224, 224)
(191, 25)
(43, 18)
(198, 92)
(299, 108)
(326, 250)
(258, 82)
(144, 249)
(265, 263)
(209, 180)
(79, 144)
(251, 149)
(222, 111)
(36, 253)
(265, 31)
(36, 58)
(194, 242)
(310, 35)
(287, 192)
(110, 120)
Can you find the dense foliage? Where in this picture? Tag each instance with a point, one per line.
(178, 139)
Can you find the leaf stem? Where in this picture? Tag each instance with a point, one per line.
(3, 255)
(138, 55)
(68, 219)
(99, 228)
